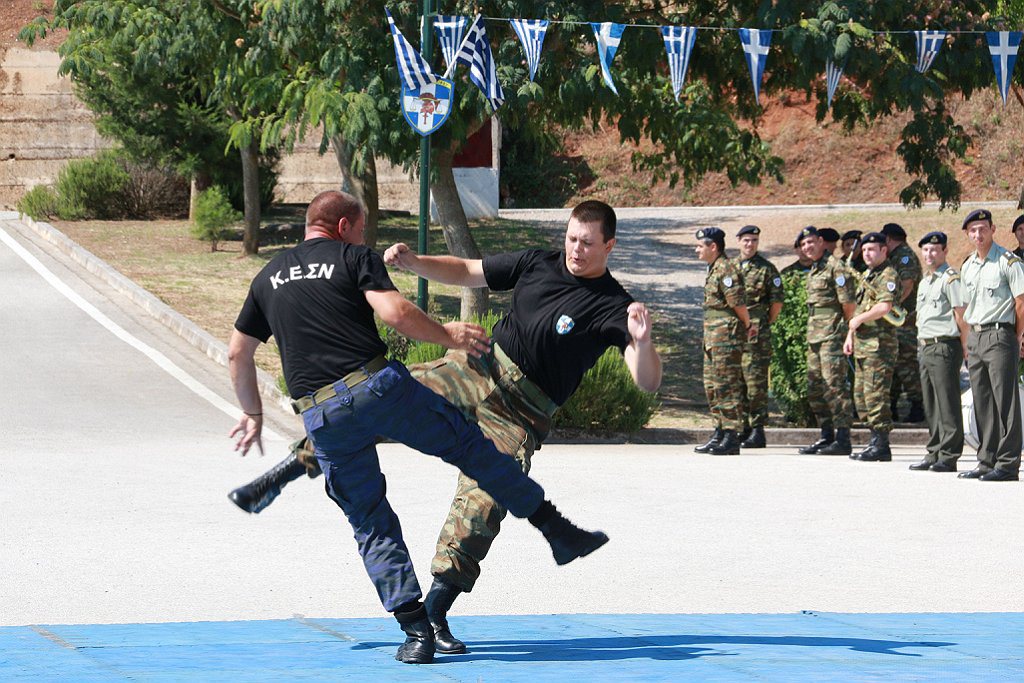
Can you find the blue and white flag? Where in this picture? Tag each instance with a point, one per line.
(450, 30)
(755, 48)
(607, 36)
(531, 34)
(414, 71)
(678, 45)
(833, 73)
(928, 45)
(475, 52)
(1003, 46)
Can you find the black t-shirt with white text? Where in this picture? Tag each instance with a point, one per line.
(310, 298)
(559, 324)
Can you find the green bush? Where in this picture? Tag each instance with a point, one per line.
(93, 188)
(788, 370)
(608, 399)
(423, 352)
(213, 216)
(39, 203)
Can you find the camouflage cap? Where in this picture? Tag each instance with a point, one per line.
(873, 238)
(749, 230)
(934, 237)
(977, 215)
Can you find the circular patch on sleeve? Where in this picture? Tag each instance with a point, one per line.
(905, 260)
(841, 280)
(777, 282)
(727, 281)
(891, 286)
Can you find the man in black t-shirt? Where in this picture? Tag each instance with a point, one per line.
(318, 300)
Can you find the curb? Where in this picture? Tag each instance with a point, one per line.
(176, 322)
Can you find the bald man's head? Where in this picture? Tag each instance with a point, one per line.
(327, 209)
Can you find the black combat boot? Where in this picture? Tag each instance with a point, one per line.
(880, 451)
(567, 540)
(756, 439)
(841, 446)
(261, 491)
(437, 603)
(729, 445)
(916, 413)
(418, 647)
(715, 438)
(828, 435)
(871, 445)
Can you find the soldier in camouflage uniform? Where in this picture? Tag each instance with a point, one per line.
(726, 325)
(801, 265)
(567, 309)
(830, 302)
(907, 377)
(872, 343)
(851, 251)
(765, 295)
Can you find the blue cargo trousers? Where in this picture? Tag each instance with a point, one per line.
(343, 430)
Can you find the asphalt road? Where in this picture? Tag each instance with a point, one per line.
(115, 464)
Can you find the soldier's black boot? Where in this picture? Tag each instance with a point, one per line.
(841, 446)
(437, 603)
(916, 413)
(261, 491)
(828, 435)
(418, 647)
(715, 438)
(729, 445)
(880, 452)
(867, 449)
(756, 439)
(567, 540)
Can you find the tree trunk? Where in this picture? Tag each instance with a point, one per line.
(201, 181)
(251, 188)
(455, 228)
(362, 185)
(1020, 202)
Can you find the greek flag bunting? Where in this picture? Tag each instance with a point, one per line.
(412, 68)
(475, 52)
(679, 42)
(755, 48)
(833, 73)
(607, 36)
(928, 45)
(1003, 46)
(531, 34)
(450, 30)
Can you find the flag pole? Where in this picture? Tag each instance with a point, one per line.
(426, 47)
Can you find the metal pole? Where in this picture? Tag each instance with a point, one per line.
(426, 48)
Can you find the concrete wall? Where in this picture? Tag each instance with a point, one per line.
(43, 125)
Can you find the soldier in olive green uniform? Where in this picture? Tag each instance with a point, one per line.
(802, 263)
(872, 343)
(765, 295)
(830, 302)
(941, 333)
(993, 284)
(851, 251)
(726, 325)
(906, 377)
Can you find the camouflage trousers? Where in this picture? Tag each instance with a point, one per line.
(757, 356)
(828, 390)
(723, 384)
(511, 412)
(873, 358)
(906, 377)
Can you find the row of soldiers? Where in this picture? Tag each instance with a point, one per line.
(863, 304)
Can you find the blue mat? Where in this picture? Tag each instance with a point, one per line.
(810, 646)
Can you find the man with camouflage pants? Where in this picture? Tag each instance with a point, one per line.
(906, 377)
(567, 309)
(726, 328)
(765, 295)
(872, 342)
(830, 303)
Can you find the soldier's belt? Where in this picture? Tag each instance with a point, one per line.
(936, 340)
(813, 309)
(304, 403)
(515, 380)
(992, 326)
(714, 313)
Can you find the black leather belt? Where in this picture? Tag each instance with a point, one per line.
(936, 340)
(992, 326)
(304, 403)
